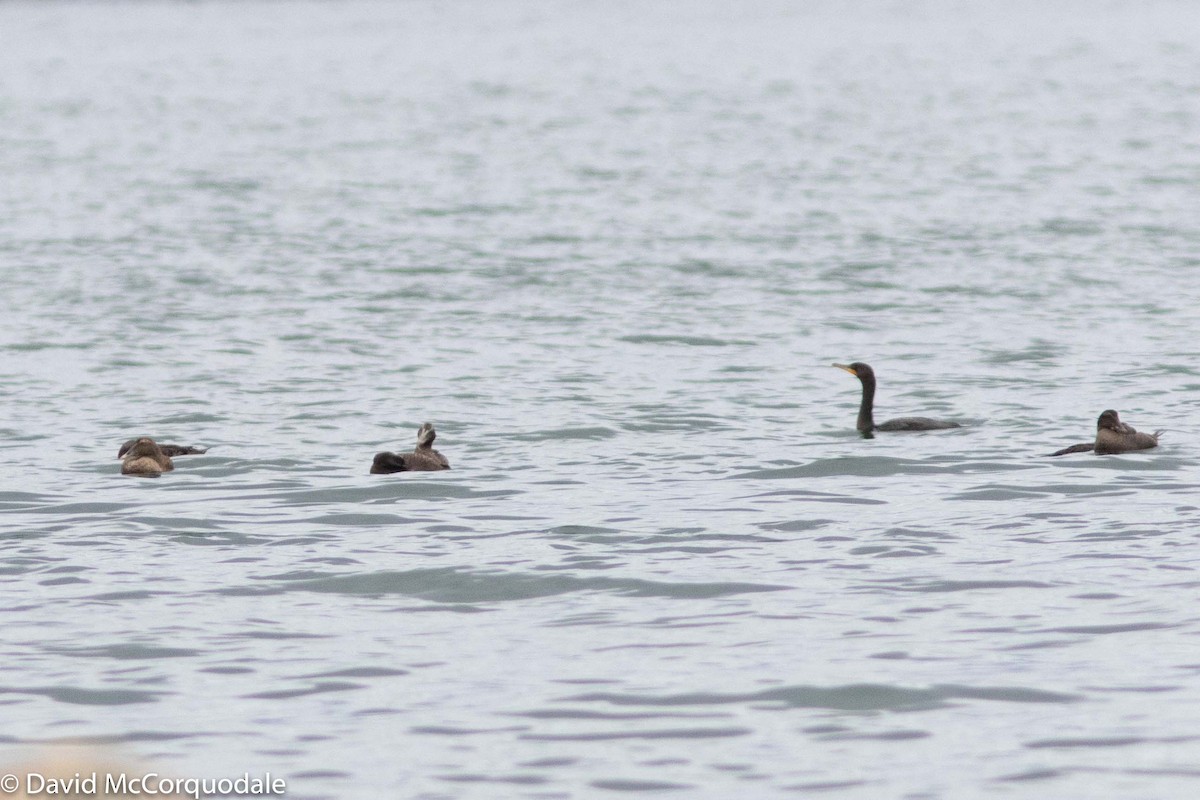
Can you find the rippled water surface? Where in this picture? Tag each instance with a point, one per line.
(610, 250)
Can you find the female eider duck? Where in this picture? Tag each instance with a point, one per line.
(144, 457)
(169, 450)
(1113, 436)
(866, 416)
(423, 458)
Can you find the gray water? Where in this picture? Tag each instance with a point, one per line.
(610, 250)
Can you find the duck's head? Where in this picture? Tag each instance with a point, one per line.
(425, 435)
(143, 447)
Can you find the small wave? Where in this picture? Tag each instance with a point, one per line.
(853, 697)
(461, 586)
(691, 341)
(610, 736)
(321, 687)
(594, 433)
(73, 695)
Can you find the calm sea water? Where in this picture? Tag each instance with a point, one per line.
(610, 250)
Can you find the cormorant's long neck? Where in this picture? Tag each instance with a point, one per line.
(866, 416)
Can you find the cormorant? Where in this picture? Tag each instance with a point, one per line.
(866, 418)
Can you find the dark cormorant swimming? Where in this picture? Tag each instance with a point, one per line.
(169, 450)
(866, 418)
(1113, 436)
(423, 458)
(144, 457)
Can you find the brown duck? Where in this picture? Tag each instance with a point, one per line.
(422, 458)
(169, 450)
(1113, 436)
(144, 457)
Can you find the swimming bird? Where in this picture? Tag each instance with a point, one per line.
(170, 450)
(144, 457)
(1113, 436)
(422, 459)
(866, 417)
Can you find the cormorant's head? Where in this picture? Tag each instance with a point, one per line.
(425, 435)
(1110, 420)
(859, 370)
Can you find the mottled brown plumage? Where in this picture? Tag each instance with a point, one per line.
(1113, 436)
(170, 450)
(422, 459)
(145, 458)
